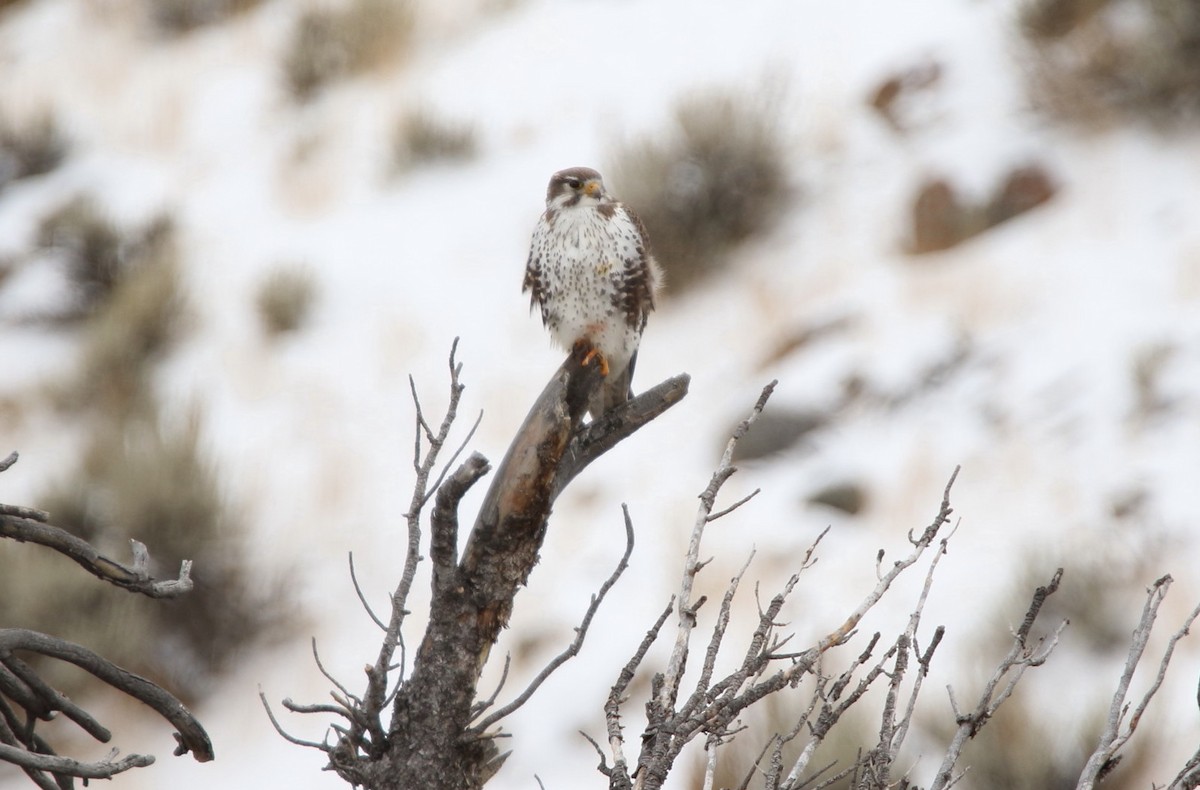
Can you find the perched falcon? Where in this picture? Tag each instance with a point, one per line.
(591, 272)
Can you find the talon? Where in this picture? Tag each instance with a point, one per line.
(595, 354)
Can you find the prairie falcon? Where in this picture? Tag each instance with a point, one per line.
(591, 272)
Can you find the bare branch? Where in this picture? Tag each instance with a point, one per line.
(443, 545)
(437, 484)
(424, 467)
(691, 563)
(363, 598)
(190, 736)
(1188, 777)
(735, 505)
(50, 700)
(483, 705)
(920, 543)
(1011, 669)
(317, 658)
(572, 650)
(430, 730)
(619, 773)
(133, 578)
(600, 436)
(65, 766)
(284, 733)
(714, 644)
(1114, 735)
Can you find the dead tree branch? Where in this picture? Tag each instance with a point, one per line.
(21, 746)
(25, 698)
(1023, 654)
(712, 706)
(572, 649)
(430, 740)
(1118, 730)
(28, 525)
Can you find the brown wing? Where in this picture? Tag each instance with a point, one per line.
(641, 276)
(534, 281)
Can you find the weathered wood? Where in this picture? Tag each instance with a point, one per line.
(431, 744)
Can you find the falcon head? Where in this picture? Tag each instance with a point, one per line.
(576, 186)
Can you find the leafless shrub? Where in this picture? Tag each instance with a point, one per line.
(91, 244)
(285, 299)
(1053, 19)
(29, 694)
(178, 17)
(140, 477)
(743, 761)
(1020, 749)
(142, 480)
(423, 137)
(439, 735)
(138, 312)
(1097, 59)
(332, 44)
(717, 177)
(30, 149)
(97, 253)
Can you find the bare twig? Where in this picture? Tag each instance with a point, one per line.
(713, 705)
(284, 733)
(734, 506)
(133, 578)
(920, 544)
(363, 598)
(191, 736)
(600, 436)
(580, 634)
(424, 467)
(1115, 735)
(321, 667)
(484, 704)
(1021, 656)
(65, 766)
(453, 457)
(691, 564)
(619, 774)
(429, 739)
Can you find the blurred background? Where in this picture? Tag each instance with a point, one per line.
(956, 231)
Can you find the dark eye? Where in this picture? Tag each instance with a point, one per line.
(573, 183)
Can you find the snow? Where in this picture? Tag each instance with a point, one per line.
(313, 434)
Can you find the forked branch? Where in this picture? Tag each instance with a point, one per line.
(430, 740)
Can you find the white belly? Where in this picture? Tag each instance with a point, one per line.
(583, 267)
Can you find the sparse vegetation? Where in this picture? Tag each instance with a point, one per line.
(332, 44)
(717, 177)
(97, 254)
(136, 327)
(1024, 750)
(144, 480)
(30, 149)
(1096, 59)
(177, 17)
(285, 299)
(423, 137)
(139, 477)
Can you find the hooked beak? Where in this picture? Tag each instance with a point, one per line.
(592, 188)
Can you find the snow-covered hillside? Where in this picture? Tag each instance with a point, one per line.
(1056, 357)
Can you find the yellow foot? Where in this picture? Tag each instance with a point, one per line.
(594, 353)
